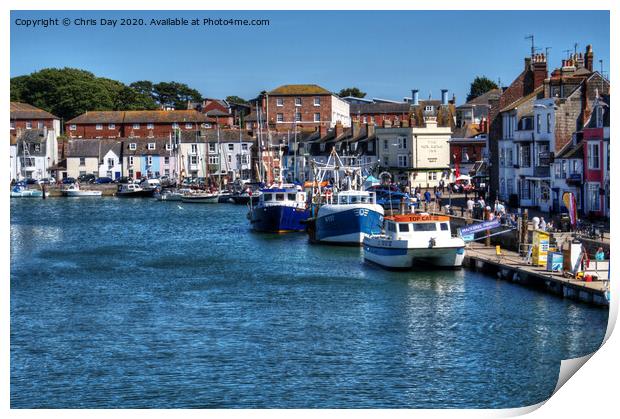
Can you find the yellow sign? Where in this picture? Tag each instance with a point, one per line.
(540, 248)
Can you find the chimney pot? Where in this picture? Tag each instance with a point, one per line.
(415, 99)
(444, 96)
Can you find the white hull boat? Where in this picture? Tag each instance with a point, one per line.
(74, 191)
(415, 242)
(23, 192)
(201, 198)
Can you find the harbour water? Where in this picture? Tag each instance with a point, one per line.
(134, 303)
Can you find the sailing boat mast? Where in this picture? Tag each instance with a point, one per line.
(219, 160)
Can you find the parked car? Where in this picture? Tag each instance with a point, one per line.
(87, 178)
(104, 180)
(46, 181)
(68, 180)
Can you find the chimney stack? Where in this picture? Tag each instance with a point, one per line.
(589, 59)
(539, 67)
(370, 130)
(356, 128)
(444, 96)
(322, 130)
(415, 100)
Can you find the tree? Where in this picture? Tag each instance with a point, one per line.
(480, 86)
(175, 94)
(236, 99)
(352, 91)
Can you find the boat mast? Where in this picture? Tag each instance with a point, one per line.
(219, 160)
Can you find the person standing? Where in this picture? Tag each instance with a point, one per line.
(438, 200)
(543, 224)
(427, 198)
(470, 207)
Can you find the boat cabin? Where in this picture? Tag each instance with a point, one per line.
(417, 226)
(290, 197)
(356, 197)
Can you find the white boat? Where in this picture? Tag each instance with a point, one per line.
(415, 241)
(167, 195)
(74, 190)
(201, 198)
(131, 190)
(20, 191)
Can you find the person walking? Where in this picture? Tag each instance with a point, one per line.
(543, 224)
(438, 200)
(470, 207)
(427, 198)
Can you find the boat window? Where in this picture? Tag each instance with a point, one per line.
(365, 199)
(291, 197)
(279, 197)
(425, 227)
(391, 227)
(354, 199)
(444, 227)
(403, 227)
(267, 197)
(342, 199)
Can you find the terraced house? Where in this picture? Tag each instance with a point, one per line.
(136, 124)
(148, 157)
(101, 158)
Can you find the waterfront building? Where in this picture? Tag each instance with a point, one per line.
(596, 159)
(567, 174)
(134, 124)
(208, 106)
(419, 154)
(101, 158)
(306, 106)
(381, 113)
(149, 157)
(34, 141)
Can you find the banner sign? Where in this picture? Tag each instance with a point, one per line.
(474, 228)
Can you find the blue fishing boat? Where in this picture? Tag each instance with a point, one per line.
(280, 210)
(348, 218)
(389, 198)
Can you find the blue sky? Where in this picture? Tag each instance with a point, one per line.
(385, 53)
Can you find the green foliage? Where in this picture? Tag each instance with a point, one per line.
(69, 92)
(236, 99)
(480, 86)
(352, 91)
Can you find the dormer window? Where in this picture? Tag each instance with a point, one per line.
(72, 127)
(136, 126)
(151, 146)
(99, 127)
(150, 125)
(132, 146)
(175, 125)
(429, 108)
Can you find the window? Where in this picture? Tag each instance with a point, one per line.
(130, 173)
(594, 202)
(40, 124)
(99, 127)
(526, 158)
(230, 158)
(429, 108)
(214, 159)
(166, 160)
(194, 148)
(525, 189)
(189, 125)
(317, 117)
(371, 145)
(279, 197)
(297, 116)
(175, 125)
(403, 227)
(37, 148)
(231, 147)
(290, 196)
(385, 144)
(211, 147)
(150, 125)
(538, 123)
(131, 160)
(167, 172)
(444, 227)
(111, 126)
(593, 156)
(149, 160)
(193, 160)
(108, 173)
(132, 146)
(392, 227)
(317, 101)
(402, 142)
(12, 124)
(509, 161)
(28, 124)
(110, 163)
(136, 126)
(280, 117)
(279, 101)
(168, 147)
(548, 123)
(432, 175)
(509, 187)
(425, 227)
(245, 159)
(244, 147)
(151, 146)
(402, 160)
(297, 101)
(82, 161)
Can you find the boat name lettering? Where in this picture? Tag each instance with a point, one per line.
(361, 212)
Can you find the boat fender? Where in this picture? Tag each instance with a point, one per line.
(432, 242)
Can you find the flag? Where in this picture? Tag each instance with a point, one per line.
(571, 205)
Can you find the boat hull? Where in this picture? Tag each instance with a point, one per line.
(201, 199)
(347, 224)
(136, 194)
(392, 255)
(27, 194)
(79, 194)
(244, 199)
(278, 219)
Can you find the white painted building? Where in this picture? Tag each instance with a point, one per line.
(340, 112)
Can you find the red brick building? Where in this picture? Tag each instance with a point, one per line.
(380, 114)
(138, 124)
(24, 116)
(302, 106)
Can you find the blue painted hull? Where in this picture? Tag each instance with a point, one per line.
(348, 226)
(278, 219)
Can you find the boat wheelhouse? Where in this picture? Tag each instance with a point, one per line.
(415, 241)
(131, 190)
(74, 191)
(280, 210)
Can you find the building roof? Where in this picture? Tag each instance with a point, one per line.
(25, 111)
(378, 108)
(142, 146)
(523, 99)
(483, 99)
(157, 116)
(92, 148)
(299, 90)
(469, 130)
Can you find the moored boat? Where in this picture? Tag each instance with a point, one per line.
(348, 218)
(131, 190)
(280, 210)
(171, 195)
(74, 191)
(415, 241)
(20, 191)
(201, 198)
